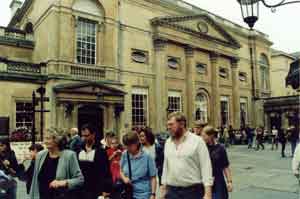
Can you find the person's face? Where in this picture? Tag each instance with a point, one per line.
(49, 142)
(208, 139)
(133, 148)
(198, 130)
(175, 128)
(32, 154)
(3, 148)
(143, 138)
(87, 136)
(114, 143)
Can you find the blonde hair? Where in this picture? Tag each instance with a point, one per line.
(58, 136)
(209, 130)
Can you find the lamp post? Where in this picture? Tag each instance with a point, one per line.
(250, 9)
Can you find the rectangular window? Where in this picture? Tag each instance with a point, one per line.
(24, 115)
(224, 110)
(139, 107)
(244, 111)
(86, 41)
(174, 102)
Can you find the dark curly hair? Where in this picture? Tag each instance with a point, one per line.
(148, 134)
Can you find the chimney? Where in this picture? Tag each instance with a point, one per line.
(14, 6)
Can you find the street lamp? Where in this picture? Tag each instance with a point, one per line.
(250, 9)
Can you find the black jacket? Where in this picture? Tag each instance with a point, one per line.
(97, 175)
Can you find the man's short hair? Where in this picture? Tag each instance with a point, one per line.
(130, 138)
(89, 127)
(36, 147)
(179, 117)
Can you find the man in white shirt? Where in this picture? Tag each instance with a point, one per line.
(187, 172)
(296, 162)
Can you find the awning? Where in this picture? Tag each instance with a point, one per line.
(293, 77)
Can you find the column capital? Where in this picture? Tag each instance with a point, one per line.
(159, 44)
(214, 56)
(234, 62)
(189, 51)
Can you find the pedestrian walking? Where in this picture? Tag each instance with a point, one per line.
(56, 171)
(231, 135)
(75, 143)
(293, 137)
(187, 172)
(250, 135)
(220, 165)
(138, 168)
(282, 138)
(274, 138)
(94, 165)
(9, 165)
(114, 155)
(27, 174)
(226, 137)
(260, 138)
(198, 126)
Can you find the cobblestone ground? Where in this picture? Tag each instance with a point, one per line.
(256, 175)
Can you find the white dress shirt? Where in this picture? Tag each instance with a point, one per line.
(296, 160)
(187, 163)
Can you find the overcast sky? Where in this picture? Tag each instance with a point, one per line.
(282, 26)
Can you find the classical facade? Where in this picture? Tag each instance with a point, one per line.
(124, 63)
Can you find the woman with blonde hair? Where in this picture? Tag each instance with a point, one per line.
(220, 164)
(56, 172)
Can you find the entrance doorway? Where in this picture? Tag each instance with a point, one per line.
(91, 114)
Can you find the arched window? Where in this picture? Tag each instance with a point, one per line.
(89, 14)
(201, 104)
(264, 71)
(89, 6)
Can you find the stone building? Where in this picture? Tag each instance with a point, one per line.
(282, 109)
(124, 63)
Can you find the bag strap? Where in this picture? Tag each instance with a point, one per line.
(129, 166)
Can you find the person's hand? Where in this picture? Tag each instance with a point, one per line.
(58, 184)
(229, 187)
(163, 191)
(6, 163)
(152, 197)
(126, 180)
(207, 196)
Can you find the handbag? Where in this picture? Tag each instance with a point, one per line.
(127, 192)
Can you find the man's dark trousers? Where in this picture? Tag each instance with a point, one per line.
(193, 192)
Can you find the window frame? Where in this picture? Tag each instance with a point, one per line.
(23, 112)
(174, 95)
(88, 33)
(227, 100)
(199, 105)
(144, 94)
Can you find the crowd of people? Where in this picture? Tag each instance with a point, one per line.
(181, 164)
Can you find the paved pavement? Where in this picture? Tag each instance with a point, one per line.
(256, 175)
(262, 174)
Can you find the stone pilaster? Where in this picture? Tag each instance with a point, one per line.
(215, 94)
(235, 93)
(161, 84)
(190, 84)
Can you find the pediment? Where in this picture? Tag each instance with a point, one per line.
(201, 26)
(89, 88)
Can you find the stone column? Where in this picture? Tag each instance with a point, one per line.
(190, 84)
(215, 94)
(110, 117)
(235, 93)
(160, 84)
